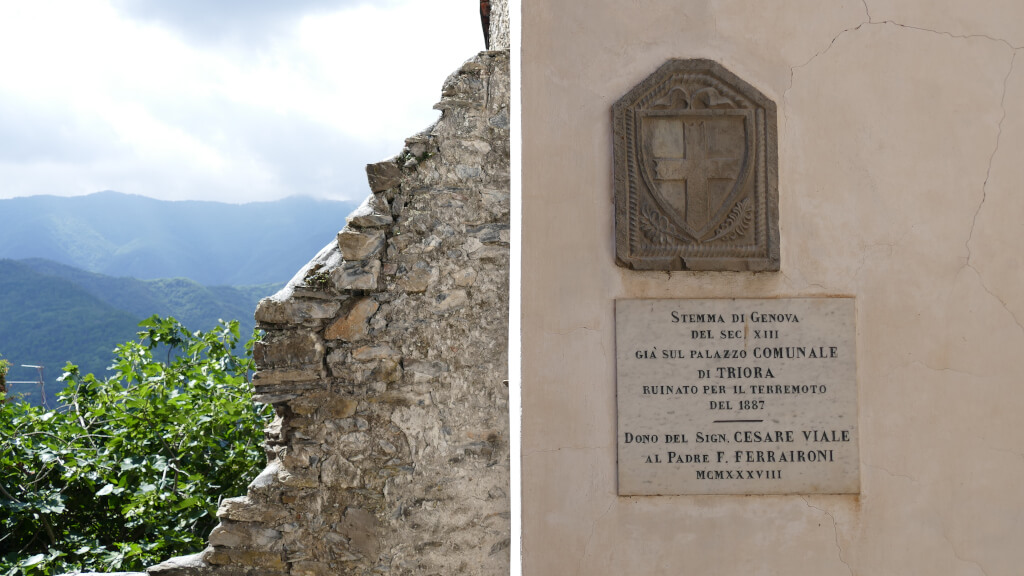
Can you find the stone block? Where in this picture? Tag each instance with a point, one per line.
(231, 535)
(451, 301)
(490, 233)
(338, 472)
(490, 253)
(360, 527)
(371, 352)
(383, 175)
(464, 278)
(340, 407)
(387, 370)
(357, 276)
(191, 565)
(272, 377)
(253, 558)
(419, 278)
(309, 568)
(290, 349)
(357, 244)
(353, 324)
(372, 213)
(243, 509)
(271, 311)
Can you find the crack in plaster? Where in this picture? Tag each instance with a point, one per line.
(926, 366)
(956, 554)
(984, 192)
(793, 69)
(891, 473)
(950, 34)
(981, 282)
(587, 328)
(984, 195)
(870, 22)
(835, 529)
(590, 537)
(864, 248)
(991, 158)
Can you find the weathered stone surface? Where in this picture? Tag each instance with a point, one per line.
(307, 568)
(386, 390)
(357, 276)
(340, 407)
(191, 565)
(253, 558)
(360, 527)
(353, 323)
(272, 311)
(696, 172)
(451, 301)
(366, 353)
(383, 175)
(233, 535)
(270, 377)
(243, 509)
(464, 277)
(372, 213)
(338, 472)
(104, 574)
(387, 371)
(360, 244)
(301, 348)
(418, 278)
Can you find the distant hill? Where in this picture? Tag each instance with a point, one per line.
(212, 243)
(51, 314)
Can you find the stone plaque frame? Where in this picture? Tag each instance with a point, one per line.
(737, 396)
(696, 172)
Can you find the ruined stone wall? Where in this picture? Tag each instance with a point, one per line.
(500, 27)
(385, 361)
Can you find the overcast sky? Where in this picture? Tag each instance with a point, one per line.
(228, 100)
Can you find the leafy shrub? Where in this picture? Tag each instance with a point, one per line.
(129, 470)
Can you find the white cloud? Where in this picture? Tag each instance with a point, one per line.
(93, 99)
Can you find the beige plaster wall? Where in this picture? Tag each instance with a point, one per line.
(901, 146)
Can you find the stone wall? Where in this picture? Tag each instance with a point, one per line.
(384, 359)
(500, 27)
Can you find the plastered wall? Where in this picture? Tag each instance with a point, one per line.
(901, 179)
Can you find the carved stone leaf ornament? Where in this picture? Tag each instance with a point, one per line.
(696, 172)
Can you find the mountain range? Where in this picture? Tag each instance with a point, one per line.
(212, 243)
(78, 274)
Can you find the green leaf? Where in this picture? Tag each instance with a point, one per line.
(105, 490)
(32, 560)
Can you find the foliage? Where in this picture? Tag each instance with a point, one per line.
(51, 313)
(4, 367)
(130, 470)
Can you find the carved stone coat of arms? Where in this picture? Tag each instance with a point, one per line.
(696, 172)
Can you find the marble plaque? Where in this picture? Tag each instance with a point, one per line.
(737, 396)
(695, 172)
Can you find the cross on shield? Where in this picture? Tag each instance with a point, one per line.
(695, 164)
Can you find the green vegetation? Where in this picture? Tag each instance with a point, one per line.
(51, 314)
(4, 367)
(130, 469)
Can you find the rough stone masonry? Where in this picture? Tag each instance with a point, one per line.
(385, 362)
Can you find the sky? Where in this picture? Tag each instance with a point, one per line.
(226, 100)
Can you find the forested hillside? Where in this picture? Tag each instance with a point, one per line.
(51, 314)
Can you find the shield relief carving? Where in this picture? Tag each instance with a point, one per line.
(696, 177)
